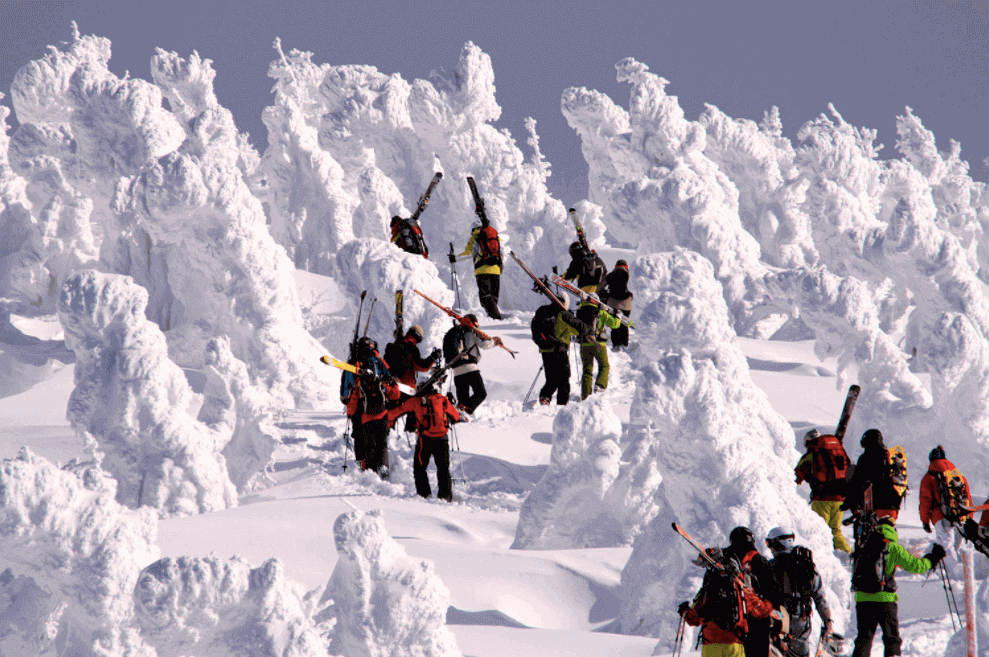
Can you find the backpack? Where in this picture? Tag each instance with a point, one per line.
(869, 562)
(719, 599)
(435, 424)
(489, 246)
(373, 396)
(409, 237)
(393, 357)
(454, 342)
(797, 581)
(953, 491)
(897, 459)
(543, 327)
(828, 466)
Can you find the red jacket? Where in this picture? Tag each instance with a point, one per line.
(391, 394)
(420, 406)
(405, 360)
(713, 633)
(930, 496)
(985, 517)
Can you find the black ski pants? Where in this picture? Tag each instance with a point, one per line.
(757, 640)
(470, 390)
(488, 289)
(371, 446)
(439, 450)
(556, 365)
(869, 616)
(619, 336)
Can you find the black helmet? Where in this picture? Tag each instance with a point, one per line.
(621, 263)
(395, 220)
(936, 453)
(575, 248)
(367, 344)
(741, 538)
(872, 437)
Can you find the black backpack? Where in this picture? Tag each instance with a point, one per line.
(718, 600)
(410, 237)
(454, 343)
(796, 573)
(543, 327)
(869, 562)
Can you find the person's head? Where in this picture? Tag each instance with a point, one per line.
(395, 220)
(741, 539)
(872, 438)
(576, 249)
(780, 540)
(415, 332)
(564, 299)
(471, 319)
(366, 347)
(621, 264)
(936, 453)
(810, 436)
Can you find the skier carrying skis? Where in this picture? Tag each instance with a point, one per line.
(873, 468)
(718, 607)
(874, 582)
(763, 580)
(467, 374)
(594, 347)
(484, 247)
(367, 394)
(943, 491)
(407, 235)
(586, 267)
(824, 467)
(552, 327)
(799, 582)
(615, 293)
(431, 410)
(404, 360)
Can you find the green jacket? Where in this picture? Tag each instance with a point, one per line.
(897, 556)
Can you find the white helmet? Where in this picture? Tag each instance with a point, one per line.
(780, 539)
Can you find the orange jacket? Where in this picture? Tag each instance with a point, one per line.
(930, 496)
(418, 406)
(391, 394)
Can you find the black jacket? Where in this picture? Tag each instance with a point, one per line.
(872, 468)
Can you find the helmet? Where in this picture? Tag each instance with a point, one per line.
(564, 299)
(872, 437)
(575, 248)
(780, 539)
(415, 332)
(365, 345)
(741, 538)
(936, 453)
(395, 220)
(621, 263)
(813, 434)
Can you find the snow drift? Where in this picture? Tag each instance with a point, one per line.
(384, 602)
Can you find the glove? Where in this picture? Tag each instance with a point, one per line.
(844, 506)
(435, 354)
(971, 530)
(453, 258)
(683, 607)
(935, 555)
(927, 527)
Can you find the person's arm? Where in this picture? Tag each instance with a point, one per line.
(573, 270)
(408, 406)
(817, 593)
(802, 469)
(900, 557)
(926, 500)
(609, 320)
(451, 410)
(470, 244)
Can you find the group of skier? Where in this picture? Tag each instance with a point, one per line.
(741, 601)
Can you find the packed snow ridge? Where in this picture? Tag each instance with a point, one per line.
(166, 245)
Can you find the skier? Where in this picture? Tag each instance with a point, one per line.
(586, 267)
(407, 235)
(943, 491)
(873, 468)
(799, 582)
(742, 549)
(874, 583)
(367, 395)
(552, 327)
(615, 293)
(404, 360)
(824, 467)
(717, 609)
(594, 347)
(431, 410)
(484, 246)
(467, 374)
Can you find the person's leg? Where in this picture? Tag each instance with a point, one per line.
(478, 393)
(420, 459)
(831, 512)
(587, 378)
(549, 369)
(890, 622)
(601, 356)
(357, 435)
(441, 455)
(868, 615)
(563, 377)
(488, 288)
(799, 633)
(461, 384)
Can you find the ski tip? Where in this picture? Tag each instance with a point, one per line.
(324, 360)
(439, 174)
(572, 210)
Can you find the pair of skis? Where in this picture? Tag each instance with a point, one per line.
(350, 367)
(460, 318)
(590, 297)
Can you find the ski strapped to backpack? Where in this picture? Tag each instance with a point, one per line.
(487, 237)
(408, 233)
(350, 367)
(357, 328)
(580, 230)
(399, 299)
(463, 322)
(591, 297)
(846, 412)
(424, 199)
(953, 491)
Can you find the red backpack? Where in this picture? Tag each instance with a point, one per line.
(829, 465)
(489, 245)
(435, 425)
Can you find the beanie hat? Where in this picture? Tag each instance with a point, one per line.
(416, 332)
(872, 437)
(936, 453)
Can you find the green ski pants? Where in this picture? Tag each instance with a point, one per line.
(590, 352)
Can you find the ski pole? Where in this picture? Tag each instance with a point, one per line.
(463, 475)
(456, 282)
(951, 589)
(532, 387)
(346, 441)
(678, 641)
(369, 313)
(944, 584)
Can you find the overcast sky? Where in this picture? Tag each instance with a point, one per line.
(869, 58)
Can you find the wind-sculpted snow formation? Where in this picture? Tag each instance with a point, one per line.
(69, 559)
(385, 603)
(878, 258)
(567, 508)
(350, 147)
(135, 403)
(706, 448)
(119, 183)
(224, 608)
